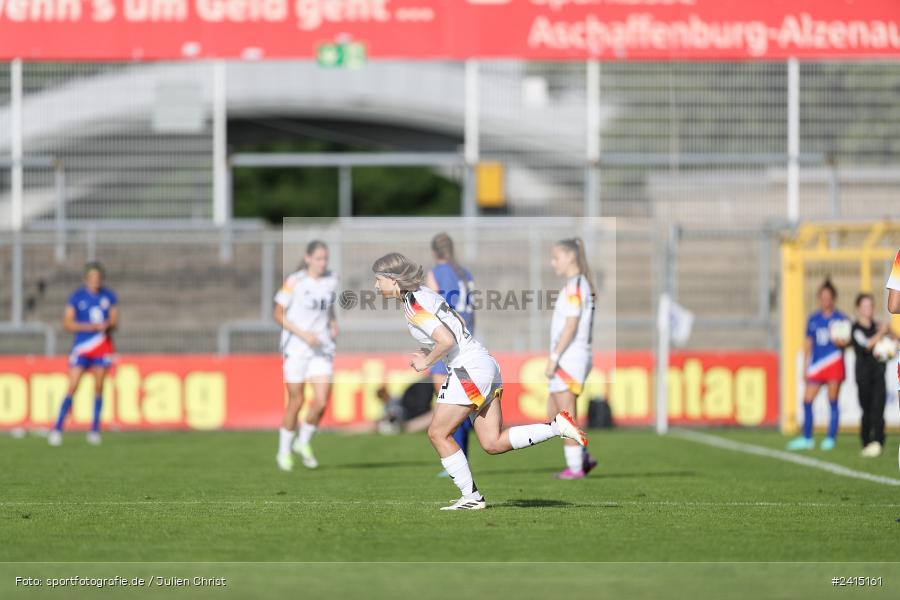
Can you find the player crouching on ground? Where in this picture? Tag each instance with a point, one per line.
(473, 387)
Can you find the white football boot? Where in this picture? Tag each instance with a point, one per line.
(306, 454)
(569, 429)
(872, 450)
(467, 504)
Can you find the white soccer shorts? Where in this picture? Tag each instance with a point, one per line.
(299, 367)
(475, 384)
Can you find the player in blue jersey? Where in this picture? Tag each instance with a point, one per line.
(454, 283)
(91, 314)
(824, 366)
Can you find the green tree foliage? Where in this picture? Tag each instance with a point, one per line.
(273, 194)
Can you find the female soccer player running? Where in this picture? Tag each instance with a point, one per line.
(473, 387)
(454, 283)
(824, 360)
(304, 307)
(91, 314)
(570, 345)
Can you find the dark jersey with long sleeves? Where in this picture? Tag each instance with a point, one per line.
(867, 366)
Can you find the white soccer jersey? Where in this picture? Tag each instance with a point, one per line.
(575, 300)
(426, 310)
(307, 304)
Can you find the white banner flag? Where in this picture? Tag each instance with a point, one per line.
(681, 322)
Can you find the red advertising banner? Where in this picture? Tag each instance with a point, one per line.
(450, 29)
(199, 392)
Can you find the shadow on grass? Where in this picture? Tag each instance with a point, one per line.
(383, 465)
(545, 503)
(519, 471)
(643, 475)
(598, 474)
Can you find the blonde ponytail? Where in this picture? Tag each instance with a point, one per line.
(408, 275)
(576, 246)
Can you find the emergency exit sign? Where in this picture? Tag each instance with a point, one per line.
(350, 55)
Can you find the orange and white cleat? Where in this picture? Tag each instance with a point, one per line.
(569, 429)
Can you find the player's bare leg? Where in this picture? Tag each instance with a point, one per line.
(321, 386)
(445, 418)
(496, 440)
(493, 438)
(438, 380)
(444, 421)
(288, 424)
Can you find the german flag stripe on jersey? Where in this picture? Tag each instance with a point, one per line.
(469, 387)
(894, 280)
(574, 295)
(574, 386)
(417, 315)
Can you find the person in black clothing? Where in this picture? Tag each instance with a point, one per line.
(869, 375)
(409, 412)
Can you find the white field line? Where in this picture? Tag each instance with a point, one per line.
(599, 504)
(797, 459)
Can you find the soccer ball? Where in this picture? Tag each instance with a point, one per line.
(885, 349)
(840, 331)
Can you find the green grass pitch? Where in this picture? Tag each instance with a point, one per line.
(181, 504)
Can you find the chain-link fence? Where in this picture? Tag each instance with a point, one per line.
(119, 159)
(202, 291)
(133, 141)
(706, 142)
